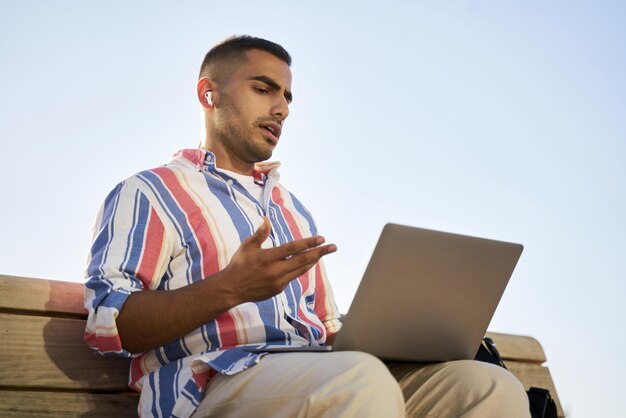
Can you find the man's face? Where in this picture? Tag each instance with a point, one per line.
(252, 107)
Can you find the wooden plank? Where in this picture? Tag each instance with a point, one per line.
(26, 404)
(41, 296)
(518, 347)
(46, 353)
(533, 374)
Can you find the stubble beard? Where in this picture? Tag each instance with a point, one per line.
(236, 138)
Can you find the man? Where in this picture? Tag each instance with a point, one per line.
(193, 261)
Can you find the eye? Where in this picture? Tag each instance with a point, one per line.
(261, 90)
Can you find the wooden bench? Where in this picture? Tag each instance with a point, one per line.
(47, 370)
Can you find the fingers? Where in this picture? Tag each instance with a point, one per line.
(286, 250)
(260, 235)
(288, 260)
(294, 267)
(294, 247)
(300, 263)
(259, 273)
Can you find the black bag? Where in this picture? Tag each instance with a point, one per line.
(541, 403)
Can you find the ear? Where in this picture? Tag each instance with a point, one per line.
(204, 91)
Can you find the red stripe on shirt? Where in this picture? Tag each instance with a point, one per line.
(294, 229)
(289, 218)
(197, 223)
(195, 156)
(104, 344)
(135, 373)
(202, 378)
(297, 234)
(227, 330)
(320, 294)
(153, 241)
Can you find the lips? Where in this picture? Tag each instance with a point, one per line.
(272, 128)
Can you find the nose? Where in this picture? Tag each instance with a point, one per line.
(281, 108)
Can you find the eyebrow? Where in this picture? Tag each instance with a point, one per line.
(272, 84)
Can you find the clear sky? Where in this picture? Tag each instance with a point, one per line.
(501, 119)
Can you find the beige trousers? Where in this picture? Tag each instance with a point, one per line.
(358, 385)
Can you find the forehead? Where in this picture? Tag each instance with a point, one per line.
(261, 63)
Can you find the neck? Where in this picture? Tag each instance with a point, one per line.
(224, 158)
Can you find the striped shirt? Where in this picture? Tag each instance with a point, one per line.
(171, 226)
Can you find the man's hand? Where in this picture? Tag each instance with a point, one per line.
(146, 320)
(257, 274)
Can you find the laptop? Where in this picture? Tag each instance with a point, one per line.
(425, 296)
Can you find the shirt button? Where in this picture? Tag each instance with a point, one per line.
(230, 182)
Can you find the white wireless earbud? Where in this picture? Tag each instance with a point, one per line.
(209, 98)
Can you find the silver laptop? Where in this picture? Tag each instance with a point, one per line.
(425, 296)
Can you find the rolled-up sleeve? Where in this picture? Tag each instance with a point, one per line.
(129, 253)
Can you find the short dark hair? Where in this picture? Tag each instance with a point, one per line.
(235, 46)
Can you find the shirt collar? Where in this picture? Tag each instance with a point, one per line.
(203, 159)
